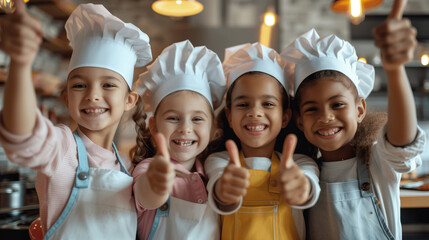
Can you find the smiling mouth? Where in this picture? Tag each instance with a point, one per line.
(94, 110)
(256, 128)
(328, 132)
(184, 143)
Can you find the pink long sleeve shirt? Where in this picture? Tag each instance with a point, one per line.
(192, 189)
(51, 150)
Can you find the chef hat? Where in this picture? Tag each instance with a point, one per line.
(100, 39)
(310, 53)
(254, 57)
(181, 66)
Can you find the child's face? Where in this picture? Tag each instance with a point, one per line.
(185, 119)
(329, 113)
(97, 98)
(256, 114)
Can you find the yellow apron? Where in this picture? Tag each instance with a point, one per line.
(263, 215)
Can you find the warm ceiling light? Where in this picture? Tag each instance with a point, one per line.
(269, 19)
(363, 60)
(177, 8)
(356, 8)
(8, 6)
(424, 59)
(343, 6)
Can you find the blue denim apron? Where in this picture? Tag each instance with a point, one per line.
(100, 205)
(348, 210)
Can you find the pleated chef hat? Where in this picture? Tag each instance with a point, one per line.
(254, 57)
(310, 53)
(100, 39)
(181, 66)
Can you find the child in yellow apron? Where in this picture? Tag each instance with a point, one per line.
(264, 198)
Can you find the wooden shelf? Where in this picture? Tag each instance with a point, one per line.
(58, 45)
(58, 9)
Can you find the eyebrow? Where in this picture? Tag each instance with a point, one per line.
(263, 96)
(314, 102)
(178, 112)
(78, 76)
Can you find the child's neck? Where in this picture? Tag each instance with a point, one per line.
(264, 151)
(103, 139)
(343, 153)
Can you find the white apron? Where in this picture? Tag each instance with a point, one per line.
(180, 219)
(100, 205)
(348, 210)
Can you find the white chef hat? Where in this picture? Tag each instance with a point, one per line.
(310, 53)
(181, 66)
(100, 39)
(254, 57)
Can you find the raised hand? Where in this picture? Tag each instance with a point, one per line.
(160, 173)
(294, 185)
(233, 183)
(396, 38)
(20, 35)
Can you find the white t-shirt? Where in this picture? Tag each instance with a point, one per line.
(386, 165)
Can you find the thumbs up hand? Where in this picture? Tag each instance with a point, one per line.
(233, 183)
(160, 173)
(20, 35)
(396, 38)
(294, 185)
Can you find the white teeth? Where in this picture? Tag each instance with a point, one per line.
(95, 111)
(183, 143)
(329, 132)
(255, 128)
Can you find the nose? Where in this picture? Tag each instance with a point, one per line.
(255, 112)
(93, 94)
(326, 116)
(185, 128)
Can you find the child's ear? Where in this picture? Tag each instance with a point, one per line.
(286, 117)
(152, 126)
(361, 110)
(131, 100)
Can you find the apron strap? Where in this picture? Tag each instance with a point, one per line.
(82, 172)
(81, 181)
(123, 168)
(274, 170)
(364, 181)
(162, 211)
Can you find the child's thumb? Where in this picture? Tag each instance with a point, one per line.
(161, 145)
(233, 152)
(397, 9)
(288, 150)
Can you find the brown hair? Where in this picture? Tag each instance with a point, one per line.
(144, 147)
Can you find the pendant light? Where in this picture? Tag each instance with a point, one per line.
(8, 6)
(177, 8)
(355, 8)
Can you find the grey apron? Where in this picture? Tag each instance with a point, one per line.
(347, 210)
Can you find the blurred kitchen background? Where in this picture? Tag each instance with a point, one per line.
(221, 24)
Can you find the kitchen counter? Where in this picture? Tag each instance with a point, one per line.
(414, 199)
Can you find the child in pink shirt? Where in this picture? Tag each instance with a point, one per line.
(84, 188)
(182, 88)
